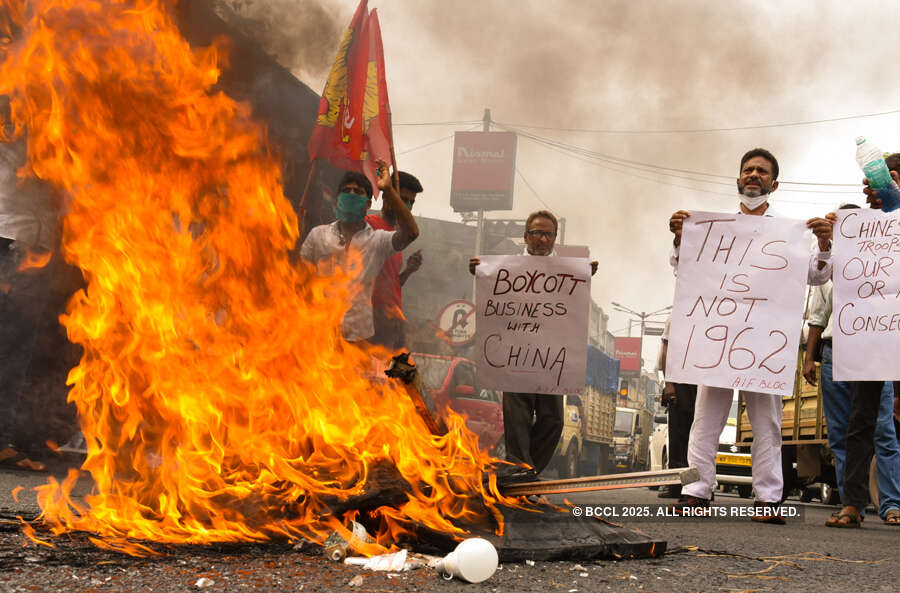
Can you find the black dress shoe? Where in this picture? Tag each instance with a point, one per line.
(669, 492)
(509, 475)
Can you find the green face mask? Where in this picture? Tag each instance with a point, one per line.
(351, 207)
(408, 205)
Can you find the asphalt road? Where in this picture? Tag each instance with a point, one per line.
(717, 555)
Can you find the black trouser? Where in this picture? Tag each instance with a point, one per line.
(865, 399)
(681, 416)
(23, 296)
(390, 330)
(533, 423)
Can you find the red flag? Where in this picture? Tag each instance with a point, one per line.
(353, 127)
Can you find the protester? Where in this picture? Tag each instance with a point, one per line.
(387, 296)
(27, 223)
(867, 398)
(758, 179)
(836, 402)
(533, 422)
(680, 400)
(328, 246)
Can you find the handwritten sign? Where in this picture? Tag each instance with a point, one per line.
(866, 313)
(738, 306)
(532, 323)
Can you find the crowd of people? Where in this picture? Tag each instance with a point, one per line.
(859, 414)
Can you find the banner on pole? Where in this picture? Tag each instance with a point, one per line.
(484, 169)
(628, 353)
(532, 323)
(739, 300)
(866, 312)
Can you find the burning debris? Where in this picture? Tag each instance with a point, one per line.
(218, 401)
(216, 396)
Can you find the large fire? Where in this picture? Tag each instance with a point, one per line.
(218, 400)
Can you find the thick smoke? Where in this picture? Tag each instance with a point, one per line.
(302, 36)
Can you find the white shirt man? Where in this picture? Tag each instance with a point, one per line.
(337, 245)
(758, 178)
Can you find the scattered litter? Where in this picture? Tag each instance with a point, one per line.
(204, 582)
(336, 546)
(32, 559)
(386, 562)
(356, 581)
(578, 567)
(583, 574)
(394, 575)
(632, 577)
(529, 562)
(474, 560)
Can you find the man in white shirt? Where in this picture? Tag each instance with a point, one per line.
(332, 246)
(757, 180)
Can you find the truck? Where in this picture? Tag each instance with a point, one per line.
(807, 461)
(586, 444)
(631, 439)
(585, 447)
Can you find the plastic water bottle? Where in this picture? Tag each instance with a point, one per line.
(871, 161)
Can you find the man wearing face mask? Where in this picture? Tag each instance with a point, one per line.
(387, 297)
(533, 422)
(757, 180)
(327, 246)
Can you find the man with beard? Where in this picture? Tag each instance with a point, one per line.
(387, 297)
(328, 246)
(757, 180)
(533, 422)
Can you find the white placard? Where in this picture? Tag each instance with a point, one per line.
(532, 323)
(739, 300)
(866, 313)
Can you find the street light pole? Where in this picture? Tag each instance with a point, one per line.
(643, 316)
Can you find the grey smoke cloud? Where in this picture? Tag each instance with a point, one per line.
(302, 36)
(646, 65)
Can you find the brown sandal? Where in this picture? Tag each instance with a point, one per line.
(853, 519)
(892, 517)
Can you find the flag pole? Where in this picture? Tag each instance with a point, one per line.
(301, 215)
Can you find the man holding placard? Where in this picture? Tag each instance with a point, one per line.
(866, 321)
(530, 342)
(735, 323)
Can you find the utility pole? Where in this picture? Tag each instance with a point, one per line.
(479, 229)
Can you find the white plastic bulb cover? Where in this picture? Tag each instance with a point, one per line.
(474, 560)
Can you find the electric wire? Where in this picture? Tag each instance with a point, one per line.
(708, 130)
(651, 168)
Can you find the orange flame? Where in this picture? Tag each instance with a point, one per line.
(217, 398)
(35, 261)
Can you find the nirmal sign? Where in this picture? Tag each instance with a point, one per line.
(484, 168)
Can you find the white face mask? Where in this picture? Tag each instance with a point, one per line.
(753, 202)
